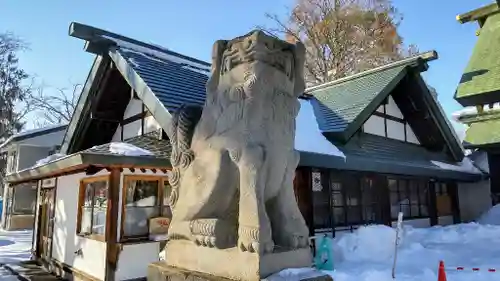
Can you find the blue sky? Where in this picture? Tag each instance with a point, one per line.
(190, 27)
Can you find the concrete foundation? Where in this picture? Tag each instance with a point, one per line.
(159, 271)
(232, 263)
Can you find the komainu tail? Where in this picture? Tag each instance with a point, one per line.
(184, 122)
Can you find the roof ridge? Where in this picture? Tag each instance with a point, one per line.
(426, 56)
(36, 131)
(94, 35)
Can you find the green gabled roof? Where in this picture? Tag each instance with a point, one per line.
(484, 133)
(341, 105)
(480, 82)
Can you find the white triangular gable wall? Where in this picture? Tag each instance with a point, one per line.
(133, 129)
(395, 130)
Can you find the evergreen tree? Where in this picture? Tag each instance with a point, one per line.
(12, 90)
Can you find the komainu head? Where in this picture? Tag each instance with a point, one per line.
(257, 56)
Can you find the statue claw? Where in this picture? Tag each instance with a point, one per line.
(254, 246)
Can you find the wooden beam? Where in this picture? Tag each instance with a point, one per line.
(90, 33)
(112, 247)
(92, 170)
(480, 13)
(97, 48)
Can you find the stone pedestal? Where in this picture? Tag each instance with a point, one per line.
(159, 271)
(232, 263)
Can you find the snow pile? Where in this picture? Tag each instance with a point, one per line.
(492, 216)
(48, 159)
(308, 137)
(127, 149)
(465, 165)
(366, 244)
(367, 254)
(15, 246)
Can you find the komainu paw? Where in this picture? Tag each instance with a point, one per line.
(213, 233)
(249, 241)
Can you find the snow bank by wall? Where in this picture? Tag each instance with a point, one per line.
(492, 216)
(367, 254)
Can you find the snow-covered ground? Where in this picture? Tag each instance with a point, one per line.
(15, 245)
(368, 253)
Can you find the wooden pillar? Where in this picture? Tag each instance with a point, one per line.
(112, 246)
(35, 245)
(383, 198)
(455, 207)
(433, 214)
(303, 195)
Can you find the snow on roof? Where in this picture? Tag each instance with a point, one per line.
(308, 137)
(466, 165)
(164, 56)
(120, 148)
(32, 131)
(197, 70)
(472, 110)
(48, 159)
(127, 149)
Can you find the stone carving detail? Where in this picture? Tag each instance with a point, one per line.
(234, 161)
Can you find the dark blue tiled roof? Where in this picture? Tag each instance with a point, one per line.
(173, 82)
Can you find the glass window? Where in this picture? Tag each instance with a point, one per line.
(142, 202)
(167, 191)
(409, 197)
(339, 216)
(337, 199)
(24, 200)
(93, 206)
(423, 193)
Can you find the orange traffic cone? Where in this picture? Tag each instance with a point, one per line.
(441, 272)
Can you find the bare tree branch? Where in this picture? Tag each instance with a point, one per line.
(343, 37)
(54, 105)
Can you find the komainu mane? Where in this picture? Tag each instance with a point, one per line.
(234, 160)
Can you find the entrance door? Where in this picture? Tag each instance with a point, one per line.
(47, 211)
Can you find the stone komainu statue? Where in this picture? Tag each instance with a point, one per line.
(234, 161)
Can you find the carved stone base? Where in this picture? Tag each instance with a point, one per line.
(232, 263)
(159, 271)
